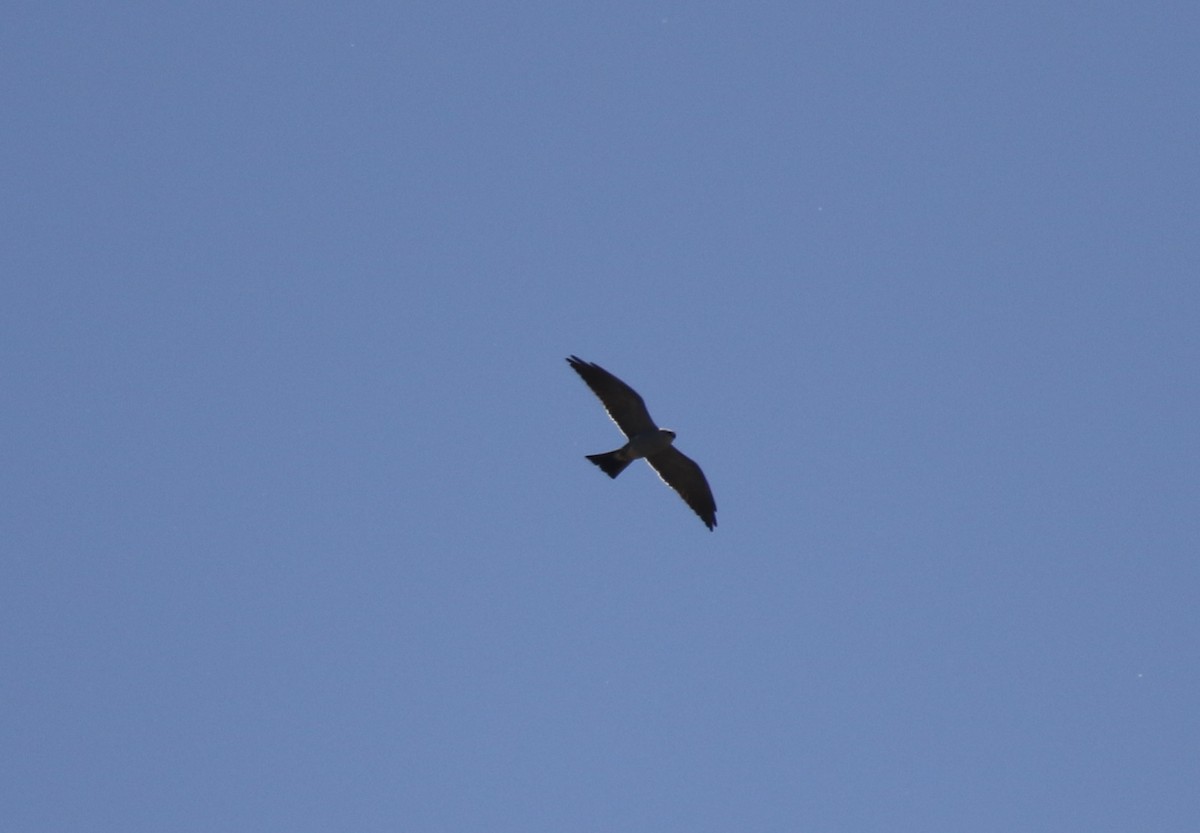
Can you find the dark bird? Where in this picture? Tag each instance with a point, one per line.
(646, 440)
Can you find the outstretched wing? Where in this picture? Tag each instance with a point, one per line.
(681, 473)
(622, 402)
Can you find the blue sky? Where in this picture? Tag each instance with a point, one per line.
(296, 530)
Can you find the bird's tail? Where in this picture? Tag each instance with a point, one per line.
(609, 462)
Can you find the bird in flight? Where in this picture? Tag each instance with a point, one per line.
(646, 441)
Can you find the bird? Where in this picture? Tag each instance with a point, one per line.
(646, 441)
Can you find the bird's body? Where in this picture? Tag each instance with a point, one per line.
(646, 441)
(640, 446)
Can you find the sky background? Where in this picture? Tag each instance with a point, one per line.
(296, 529)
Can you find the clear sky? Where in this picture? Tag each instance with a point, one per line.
(297, 531)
